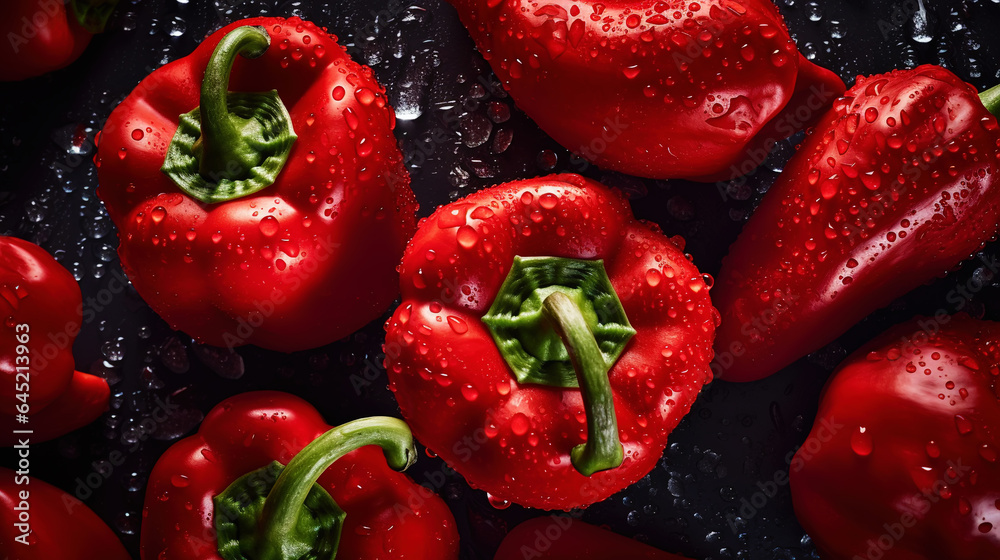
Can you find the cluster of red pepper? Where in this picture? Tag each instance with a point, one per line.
(261, 199)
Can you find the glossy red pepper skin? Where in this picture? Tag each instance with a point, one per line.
(458, 393)
(923, 475)
(40, 36)
(41, 307)
(301, 263)
(656, 89)
(897, 185)
(61, 526)
(565, 538)
(388, 515)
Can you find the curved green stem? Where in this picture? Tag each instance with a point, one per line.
(284, 504)
(991, 99)
(223, 148)
(235, 143)
(603, 449)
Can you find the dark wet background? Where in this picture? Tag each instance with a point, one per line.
(736, 436)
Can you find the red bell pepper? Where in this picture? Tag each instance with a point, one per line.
(902, 462)
(650, 88)
(265, 478)
(897, 185)
(542, 330)
(40, 36)
(42, 308)
(41, 522)
(565, 538)
(281, 221)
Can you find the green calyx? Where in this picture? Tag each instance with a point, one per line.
(233, 144)
(529, 342)
(559, 322)
(239, 507)
(991, 99)
(92, 15)
(280, 513)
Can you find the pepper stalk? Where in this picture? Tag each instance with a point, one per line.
(280, 513)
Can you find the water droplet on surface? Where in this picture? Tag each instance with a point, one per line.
(497, 503)
(364, 96)
(269, 226)
(963, 424)
(933, 449)
(653, 277)
(861, 442)
(519, 424)
(177, 27)
(988, 453)
(351, 118)
(475, 130)
(467, 237)
(829, 188)
(458, 324)
(964, 507)
(470, 393)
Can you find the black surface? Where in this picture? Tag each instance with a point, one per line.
(736, 436)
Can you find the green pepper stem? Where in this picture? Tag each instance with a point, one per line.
(92, 15)
(223, 149)
(603, 449)
(991, 99)
(286, 499)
